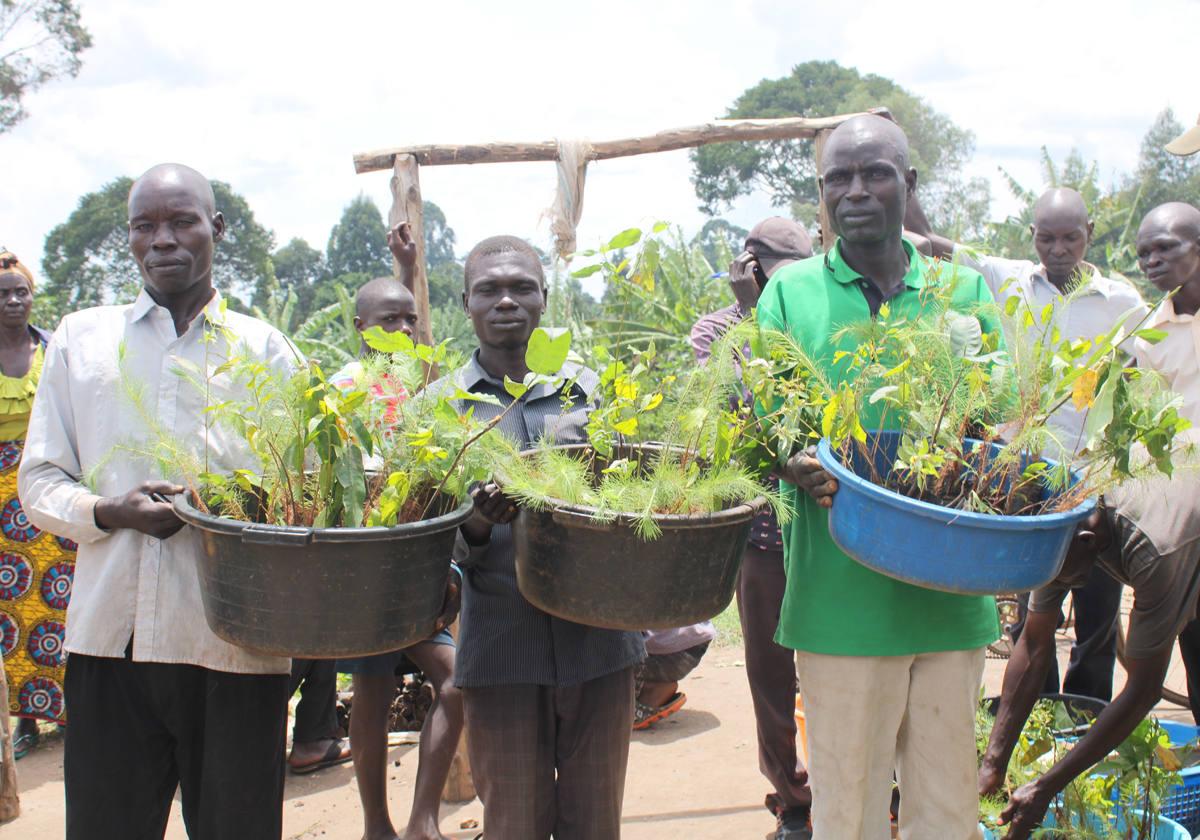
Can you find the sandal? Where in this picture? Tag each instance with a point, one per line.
(22, 744)
(337, 753)
(646, 716)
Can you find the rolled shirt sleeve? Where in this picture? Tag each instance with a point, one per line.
(710, 328)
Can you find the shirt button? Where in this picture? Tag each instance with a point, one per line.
(150, 541)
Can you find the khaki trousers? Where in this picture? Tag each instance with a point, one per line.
(870, 715)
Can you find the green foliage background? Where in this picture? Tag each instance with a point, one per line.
(40, 40)
(653, 285)
(786, 169)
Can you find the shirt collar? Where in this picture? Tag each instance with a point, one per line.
(584, 379)
(836, 264)
(1094, 283)
(143, 305)
(1165, 313)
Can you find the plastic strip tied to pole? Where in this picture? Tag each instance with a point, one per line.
(567, 209)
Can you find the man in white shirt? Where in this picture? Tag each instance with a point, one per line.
(1085, 304)
(156, 701)
(1168, 248)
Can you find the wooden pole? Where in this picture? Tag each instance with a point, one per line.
(827, 234)
(717, 131)
(406, 207)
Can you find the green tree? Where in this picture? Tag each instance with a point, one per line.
(439, 236)
(299, 268)
(445, 284)
(653, 295)
(87, 259)
(1160, 175)
(298, 265)
(719, 241)
(329, 290)
(785, 169)
(445, 271)
(358, 242)
(40, 40)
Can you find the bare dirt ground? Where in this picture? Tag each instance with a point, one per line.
(694, 776)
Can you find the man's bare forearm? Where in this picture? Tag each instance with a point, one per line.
(1024, 676)
(1143, 688)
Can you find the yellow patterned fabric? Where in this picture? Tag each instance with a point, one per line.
(36, 572)
(16, 398)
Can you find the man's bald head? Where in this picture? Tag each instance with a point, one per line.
(868, 129)
(866, 181)
(1168, 249)
(173, 227)
(176, 176)
(378, 291)
(1060, 204)
(385, 302)
(1176, 217)
(1061, 233)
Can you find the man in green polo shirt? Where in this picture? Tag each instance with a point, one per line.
(889, 672)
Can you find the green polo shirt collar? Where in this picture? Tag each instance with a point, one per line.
(836, 265)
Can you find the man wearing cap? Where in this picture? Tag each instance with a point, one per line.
(1187, 143)
(770, 667)
(1085, 304)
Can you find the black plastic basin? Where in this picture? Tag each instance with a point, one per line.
(605, 575)
(321, 593)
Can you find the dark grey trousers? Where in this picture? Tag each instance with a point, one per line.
(551, 761)
(316, 713)
(771, 671)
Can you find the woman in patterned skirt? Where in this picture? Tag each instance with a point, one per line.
(36, 569)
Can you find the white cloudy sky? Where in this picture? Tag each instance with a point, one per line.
(275, 98)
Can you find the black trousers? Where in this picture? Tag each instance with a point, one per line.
(771, 672)
(1094, 654)
(316, 713)
(139, 730)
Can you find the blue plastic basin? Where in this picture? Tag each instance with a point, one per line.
(937, 547)
(1164, 829)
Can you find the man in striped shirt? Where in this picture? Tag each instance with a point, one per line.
(549, 702)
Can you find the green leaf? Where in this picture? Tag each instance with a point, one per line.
(659, 227)
(627, 426)
(624, 239)
(1010, 306)
(1101, 412)
(467, 396)
(515, 389)
(378, 338)
(362, 434)
(1151, 335)
(881, 393)
(350, 475)
(546, 355)
(587, 270)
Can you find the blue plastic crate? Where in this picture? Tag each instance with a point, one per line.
(1182, 803)
(1180, 733)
